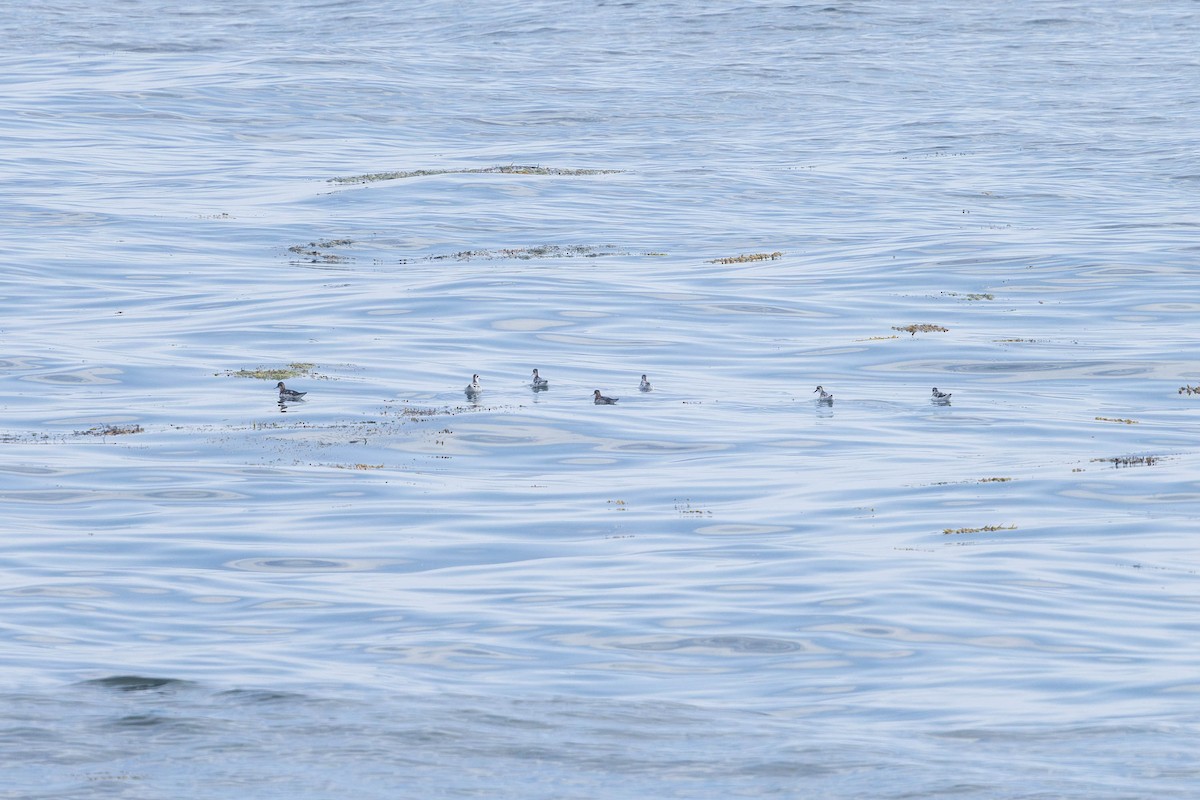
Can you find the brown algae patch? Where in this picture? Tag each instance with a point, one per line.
(984, 529)
(421, 413)
(1189, 389)
(747, 258)
(110, 430)
(922, 327)
(318, 252)
(535, 252)
(977, 480)
(30, 437)
(293, 370)
(1117, 419)
(511, 169)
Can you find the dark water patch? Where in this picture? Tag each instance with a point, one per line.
(742, 529)
(723, 645)
(306, 565)
(63, 590)
(28, 469)
(137, 683)
(189, 495)
(1106, 369)
(498, 439)
(263, 696)
(1168, 308)
(96, 376)
(28, 363)
(763, 310)
(52, 496)
(667, 447)
(511, 169)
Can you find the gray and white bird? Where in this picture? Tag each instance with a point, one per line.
(288, 394)
(644, 386)
(601, 400)
(940, 397)
(473, 388)
(825, 397)
(539, 382)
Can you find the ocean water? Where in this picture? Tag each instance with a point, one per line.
(718, 588)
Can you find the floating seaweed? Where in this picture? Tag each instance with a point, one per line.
(972, 295)
(293, 370)
(745, 259)
(530, 253)
(317, 252)
(922, 327)
(984, 529)
(511, 169)
(110, 430)
(421, 413)
(1117, 419)
(1189, 389)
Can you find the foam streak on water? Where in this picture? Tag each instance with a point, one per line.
(717, 588)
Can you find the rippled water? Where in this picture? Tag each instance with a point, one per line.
(717, 588)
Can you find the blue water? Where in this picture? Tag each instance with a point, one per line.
(719, 588)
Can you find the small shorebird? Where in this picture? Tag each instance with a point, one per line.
(941, 397)
(601, 400)
(825, 397)
(288, 394)
(473, 388)
(644, 386)
(539, 382)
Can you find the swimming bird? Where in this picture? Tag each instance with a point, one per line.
(601, 400)
(539, 382)
(644, 385)
(473, 388)
(288, 394)
(942, 397)
(825, 397)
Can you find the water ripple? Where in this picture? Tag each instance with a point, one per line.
(305, 565)
(837, 597)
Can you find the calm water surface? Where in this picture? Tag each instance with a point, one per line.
(719, 588)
